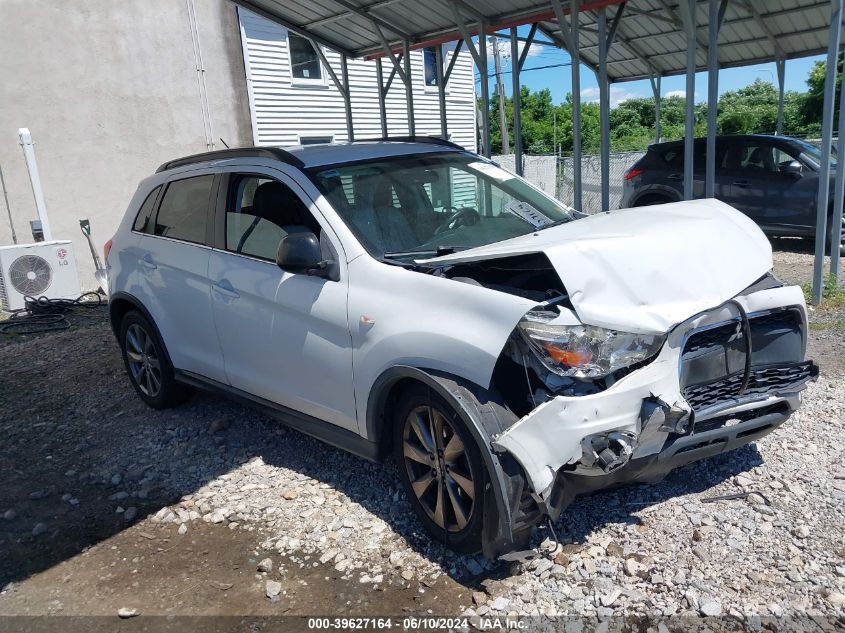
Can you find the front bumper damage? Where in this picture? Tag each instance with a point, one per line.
(650, 421)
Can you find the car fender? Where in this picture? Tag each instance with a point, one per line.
(417, 319)
(483, 415)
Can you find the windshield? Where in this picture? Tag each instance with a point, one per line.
(417, 206)
(814, 152)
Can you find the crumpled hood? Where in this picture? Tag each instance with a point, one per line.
(649, 268)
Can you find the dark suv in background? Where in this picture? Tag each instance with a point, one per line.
(774, 180)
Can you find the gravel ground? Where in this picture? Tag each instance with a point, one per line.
(101, 497)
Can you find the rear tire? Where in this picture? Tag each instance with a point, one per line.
(147, 363)
(441, 469)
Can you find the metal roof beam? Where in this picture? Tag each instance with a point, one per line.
(345, 14)
(651, 15)
(679, 24)
(295, 28)
(389, 52)
(452, 61)
(561, 44)
(528, 42)
(614, 25)
(365, 13)
(641, 55)
(749, 6)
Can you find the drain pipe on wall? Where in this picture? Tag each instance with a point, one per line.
(200, 66)
(35, 181)
(8, 208)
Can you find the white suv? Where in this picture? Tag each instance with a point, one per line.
(410, 298)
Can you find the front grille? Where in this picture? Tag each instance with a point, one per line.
(769, 380)
(713, 360)
(711, 424)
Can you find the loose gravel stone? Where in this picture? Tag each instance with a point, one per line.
(265, 565)
(272, 588)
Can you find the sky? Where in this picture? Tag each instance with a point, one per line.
(553, 72)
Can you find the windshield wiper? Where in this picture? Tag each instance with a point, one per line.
(438, 252)
(551, 224)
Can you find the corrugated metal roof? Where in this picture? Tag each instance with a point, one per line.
(650, 38)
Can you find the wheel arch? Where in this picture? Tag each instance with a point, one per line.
(655, 191)
(483, 415)
(121, 303)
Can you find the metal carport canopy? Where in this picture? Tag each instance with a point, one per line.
(619, 40)
(650, 36)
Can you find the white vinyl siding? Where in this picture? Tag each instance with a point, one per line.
(283, 112)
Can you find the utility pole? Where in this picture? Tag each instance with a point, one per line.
(503, 119)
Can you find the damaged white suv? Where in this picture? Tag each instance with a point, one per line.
(409, 298)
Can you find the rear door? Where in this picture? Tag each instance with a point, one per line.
(284, 336)
(173, 257)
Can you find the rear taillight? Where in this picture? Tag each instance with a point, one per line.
(633, 173)
(106, 250)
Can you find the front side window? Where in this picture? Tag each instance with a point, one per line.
(750, 157)
(304, 61)
(410, 207)
(260, 211)
(183, 212)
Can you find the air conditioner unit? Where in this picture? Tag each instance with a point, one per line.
(44, 269)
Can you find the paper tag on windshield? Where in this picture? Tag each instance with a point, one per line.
(494, 172)
(528, 213)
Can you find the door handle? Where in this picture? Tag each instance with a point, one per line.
(741, 183)
(225, 288)
(676, 176)
(147, 262)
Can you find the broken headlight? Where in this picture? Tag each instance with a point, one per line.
(585, 351)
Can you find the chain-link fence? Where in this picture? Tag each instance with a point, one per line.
(554, 175)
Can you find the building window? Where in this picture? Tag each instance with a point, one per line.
(430, 66)
(304, 61)
(315, 140)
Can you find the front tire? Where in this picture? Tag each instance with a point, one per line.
(441, 469)
(148, 364)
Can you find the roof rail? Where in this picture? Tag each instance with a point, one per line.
(276, 153)
(433, 140)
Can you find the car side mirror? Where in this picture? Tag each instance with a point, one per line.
(792, 168)
(300, 253)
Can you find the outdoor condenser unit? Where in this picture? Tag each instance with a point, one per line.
(45, 269)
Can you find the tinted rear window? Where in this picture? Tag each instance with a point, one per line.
(142, 220)
(183, 212)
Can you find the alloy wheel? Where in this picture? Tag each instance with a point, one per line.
(143, 360)
(439, 468)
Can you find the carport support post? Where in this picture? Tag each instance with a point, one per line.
(712, 97)
(780, 64)
(382, 107)
(347, 99)
(604, 111)
(838, 192)
(485, 89)
(655, 89)
(827, 133)
(688, 13)
(441, 90)
(575, 62)
(570, 40)
(409, 87)
(516, 99)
